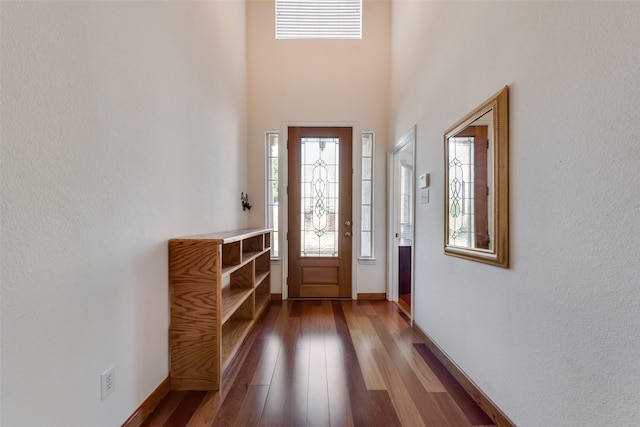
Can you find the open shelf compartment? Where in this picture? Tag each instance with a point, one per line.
(233, 334)
(231, 254)
(232, 300)
(263, 267)
(236, 328)
(263, 294)
(251, 246)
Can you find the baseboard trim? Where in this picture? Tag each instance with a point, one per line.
(149, 405)
(276, 297)
(470, 387)
(372, 296)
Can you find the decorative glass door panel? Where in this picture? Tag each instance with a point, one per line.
(320, 198)
(319, 206)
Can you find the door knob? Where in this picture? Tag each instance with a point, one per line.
(347, 223)
(348, 234)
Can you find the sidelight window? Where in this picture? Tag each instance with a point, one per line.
(273, 191)
(366, 198)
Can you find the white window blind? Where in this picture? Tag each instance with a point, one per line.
(318, 19)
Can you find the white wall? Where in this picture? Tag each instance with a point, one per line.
(123, 124)
(553, 340)
(324, 82)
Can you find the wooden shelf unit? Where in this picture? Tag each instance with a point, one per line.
(219, 285)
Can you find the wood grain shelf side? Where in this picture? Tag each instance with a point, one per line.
(192, 261)
(192, 361)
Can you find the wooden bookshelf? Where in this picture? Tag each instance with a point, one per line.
(219, 285)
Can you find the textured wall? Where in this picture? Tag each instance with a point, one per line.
(320, 81)
(123, 124)
(554, 340)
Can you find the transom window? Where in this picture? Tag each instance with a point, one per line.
(318, 19)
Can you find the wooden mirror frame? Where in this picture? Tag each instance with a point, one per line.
(498, 253)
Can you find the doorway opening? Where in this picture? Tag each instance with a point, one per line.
(401, 222)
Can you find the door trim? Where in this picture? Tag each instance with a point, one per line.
(284, 208)
(409, 137)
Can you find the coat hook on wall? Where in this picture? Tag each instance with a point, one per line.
(245, 201)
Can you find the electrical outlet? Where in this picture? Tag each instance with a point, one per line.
(107, 382)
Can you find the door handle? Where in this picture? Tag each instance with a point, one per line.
(347, 223)
(347, 233)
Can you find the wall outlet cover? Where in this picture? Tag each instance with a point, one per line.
(107, 382)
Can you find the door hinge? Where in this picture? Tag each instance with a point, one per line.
(287, 189)
(487, 191)
(287, 235)
(487, 144)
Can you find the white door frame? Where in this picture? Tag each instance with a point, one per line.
(405, 141)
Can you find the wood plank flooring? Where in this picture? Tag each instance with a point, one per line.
(328, 363)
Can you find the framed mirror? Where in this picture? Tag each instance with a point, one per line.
(476, 159)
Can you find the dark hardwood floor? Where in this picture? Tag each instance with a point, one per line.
(328, 363)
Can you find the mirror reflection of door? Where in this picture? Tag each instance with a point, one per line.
(469, 190)
(476, 196)
(319, 191)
